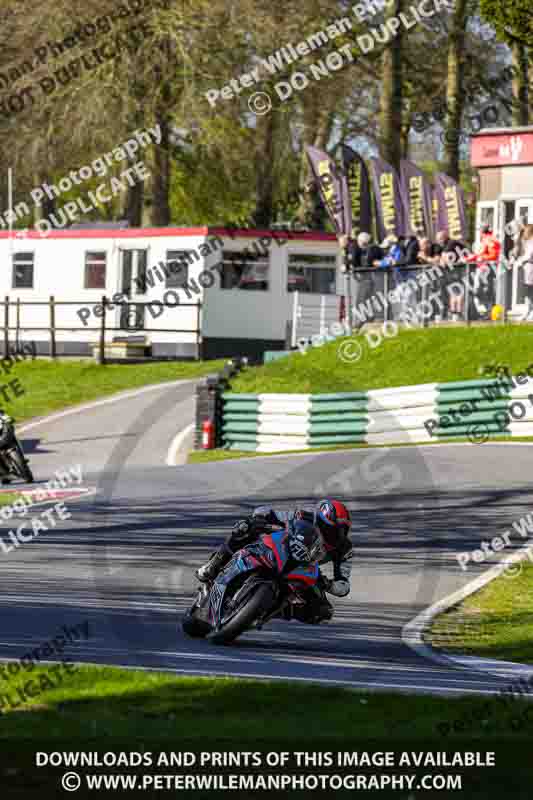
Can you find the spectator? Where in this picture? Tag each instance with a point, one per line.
(395, 256)
(406, 278)
(453, 301)
(487, 258)
(515, 230)
(365, 254)
(525, 259)
(429, 255)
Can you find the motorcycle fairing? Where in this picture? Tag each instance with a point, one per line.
(308, 575)
(277, 542)
(240, 563)
(270, 551)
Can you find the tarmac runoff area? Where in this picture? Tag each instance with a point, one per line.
(127, 556)
(139, 540)
(37, 524)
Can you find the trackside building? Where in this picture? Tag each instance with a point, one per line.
(504, 160)
(213, 292)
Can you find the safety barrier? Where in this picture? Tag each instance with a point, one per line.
(479, 410)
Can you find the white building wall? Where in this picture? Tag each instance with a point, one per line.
(244, 314)
(59, 270)
(227, 314)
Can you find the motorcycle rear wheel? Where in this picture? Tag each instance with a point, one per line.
(21, 464)
(261, 600)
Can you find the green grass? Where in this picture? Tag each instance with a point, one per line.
(496, 622)
(50, 386)
(412, 357)
(124, 703)
(206, 456)
(8, 498)
(111, 710)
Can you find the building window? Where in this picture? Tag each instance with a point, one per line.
(95, 268)
(177, 264)
(244, 271)
(312, 274)
(23, 270)
(134, 264)
(487, 216)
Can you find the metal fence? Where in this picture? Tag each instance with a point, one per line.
(435, 294)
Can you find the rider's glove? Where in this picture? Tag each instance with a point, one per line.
(242, 528)
(338, 588)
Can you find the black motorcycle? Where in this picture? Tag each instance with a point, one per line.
(12, 458)
(267, 579)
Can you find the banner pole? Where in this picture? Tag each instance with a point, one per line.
(347, 282)
(10, 205)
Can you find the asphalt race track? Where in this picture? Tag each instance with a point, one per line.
(124, 562)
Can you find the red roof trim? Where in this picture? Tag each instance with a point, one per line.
(138, 233)
(253, 233)
(94, 233)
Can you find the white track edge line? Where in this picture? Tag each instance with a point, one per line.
(176, 443)
(413, 630)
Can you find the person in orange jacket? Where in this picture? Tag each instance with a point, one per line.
(489, 254)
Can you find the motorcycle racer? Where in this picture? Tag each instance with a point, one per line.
(333, 521)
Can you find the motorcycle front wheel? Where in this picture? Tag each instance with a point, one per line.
(194, 627)
(261, 600)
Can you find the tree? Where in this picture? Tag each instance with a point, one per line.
(392, 94)
(455, 86)
(511, 19)
(513, 22)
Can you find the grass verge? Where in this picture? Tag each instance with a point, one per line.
(6, 498)
(110, 710)
(219, 454)
(432, 355)
(496, 622)
(50, 386)
(115, 702)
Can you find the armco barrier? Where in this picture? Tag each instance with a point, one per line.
(484, 409)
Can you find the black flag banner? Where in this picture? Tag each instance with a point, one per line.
(333, 188)
(359, 211)
(451, 213)
(417, 196)
(390, 206)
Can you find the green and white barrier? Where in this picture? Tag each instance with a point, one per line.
(479, 410)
